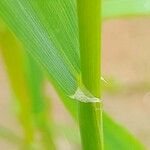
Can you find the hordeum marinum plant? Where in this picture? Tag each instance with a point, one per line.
(61, 39)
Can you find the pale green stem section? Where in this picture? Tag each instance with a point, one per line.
(90, 114)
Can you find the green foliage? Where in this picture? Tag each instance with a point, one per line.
(48, 31)
(17, 73)
(118, 137)
(125, 8)
(10, 136)
(26, 79)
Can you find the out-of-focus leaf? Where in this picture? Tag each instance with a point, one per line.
(26, 79)
(118, 137)
(125, 8)
(15, 63)
(9, 135)
(48, 30)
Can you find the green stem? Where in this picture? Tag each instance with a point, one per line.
(90, 114)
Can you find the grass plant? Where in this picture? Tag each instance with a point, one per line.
(64, 38)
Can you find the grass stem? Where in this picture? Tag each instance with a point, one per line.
(90, 114)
